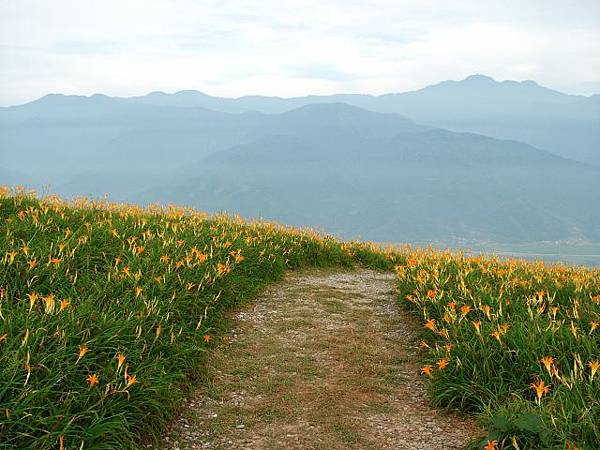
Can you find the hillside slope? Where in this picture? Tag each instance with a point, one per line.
(107, 312)
(418, 186)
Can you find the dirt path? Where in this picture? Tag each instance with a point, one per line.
(322, 360)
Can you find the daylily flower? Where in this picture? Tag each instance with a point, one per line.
(121, 359)
(55, 261)
(64, 304)
(430, 324)
(92, 380)
(491, 445)
(32, 299)
(548, 361)
(131, 380)
(83, 349)
(426, 370)
(540, 389)
(594, 366)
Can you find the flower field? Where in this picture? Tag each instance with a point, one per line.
(106, 311)
(518, 342)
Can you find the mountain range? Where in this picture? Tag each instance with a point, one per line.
(465, 161)
(568, 125)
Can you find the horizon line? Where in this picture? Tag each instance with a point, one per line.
(472, 76)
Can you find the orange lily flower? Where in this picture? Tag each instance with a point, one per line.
(55, 261)
(594, 366)
(496, 335)
(131, 380)
(121, 359)
(83, 349)
(540, 389)
(548, 361)
(426, 370)
(64, 304)
(92, 379)
(32, 299)
(491, 445)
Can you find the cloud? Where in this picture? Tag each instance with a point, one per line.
(321, 72)
(289, 48)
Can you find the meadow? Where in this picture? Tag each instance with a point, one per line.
(108, 311)
(516, 342)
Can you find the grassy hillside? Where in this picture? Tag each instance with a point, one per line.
(108, 311)
(517, 342)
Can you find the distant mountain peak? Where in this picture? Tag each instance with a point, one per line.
(530, 83)
(191, 92)
(479, 78)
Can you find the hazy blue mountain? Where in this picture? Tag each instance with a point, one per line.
(417, 185)
(60, 135)
(568, 125)
(352, 171)
(101, 133)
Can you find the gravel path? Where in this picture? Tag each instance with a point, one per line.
(322, 360)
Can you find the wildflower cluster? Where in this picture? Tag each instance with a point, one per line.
(514, 336)
(105, 310)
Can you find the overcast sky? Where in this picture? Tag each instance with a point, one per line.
(289, 48)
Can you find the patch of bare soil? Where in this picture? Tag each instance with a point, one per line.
(322, 360)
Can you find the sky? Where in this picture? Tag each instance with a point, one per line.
(291, 48)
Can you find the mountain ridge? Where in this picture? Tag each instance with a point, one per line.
(565, 124)
(359, 173)
(469, 79)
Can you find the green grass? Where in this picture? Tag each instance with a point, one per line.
(118, 280)
(82, 283)
(524, 312)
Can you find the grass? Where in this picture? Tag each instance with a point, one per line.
(521, 342)
(107, 311)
